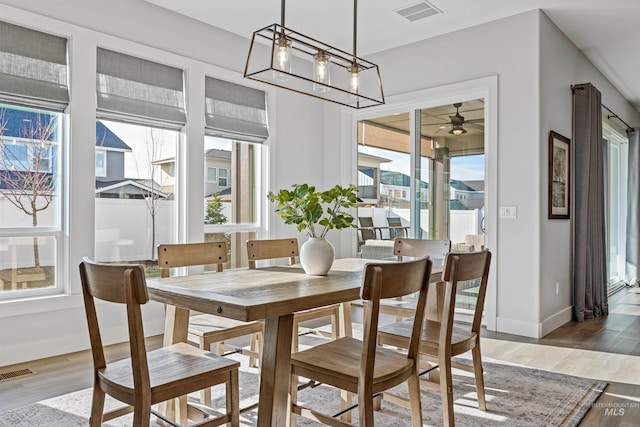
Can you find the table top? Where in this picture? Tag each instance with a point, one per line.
(253, 294)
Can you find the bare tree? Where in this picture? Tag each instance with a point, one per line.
(25, 168)
(154, 196)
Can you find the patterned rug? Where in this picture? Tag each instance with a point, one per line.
(516, 396)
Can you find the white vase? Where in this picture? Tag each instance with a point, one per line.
(316, 256)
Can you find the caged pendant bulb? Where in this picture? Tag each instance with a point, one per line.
(321, 72)
(354, 78)
(282, 59)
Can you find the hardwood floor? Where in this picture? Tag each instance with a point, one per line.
(606, 348)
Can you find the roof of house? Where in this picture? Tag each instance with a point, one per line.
(105, 138)
(216, 153)
(15, 176)
(129, 186)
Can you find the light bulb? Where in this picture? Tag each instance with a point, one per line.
(354, 78)
(282, 59)
(321, 72)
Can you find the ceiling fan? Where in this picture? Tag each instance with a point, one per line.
(457, 122)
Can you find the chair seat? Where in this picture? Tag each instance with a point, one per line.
(338, 363)
(170, 368)
(395, 334)
(210, 326)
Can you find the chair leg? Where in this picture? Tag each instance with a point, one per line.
(253, 361)
(446, 392)
(414, 399)
(142, 414)
(97, 407)
(182, 415)
(346, 400)
(293, 399)
(295, 341)
(233, 398)
(365, 408)
(478, 373)
(205, 394)
(335, 325)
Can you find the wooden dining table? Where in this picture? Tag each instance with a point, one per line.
(271, 294)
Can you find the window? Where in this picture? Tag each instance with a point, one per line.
(34, 92)
(140, 110)
(236, 125)
(212, 176)
(30, 226)
(101, 163)
(222, 178)
(14, 156)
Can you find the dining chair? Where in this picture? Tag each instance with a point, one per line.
(441, 341)
(362, 366)
(396, 229)
(268, 249)
(436, 250)
(367, 231)
(147, 377)
(209, 329)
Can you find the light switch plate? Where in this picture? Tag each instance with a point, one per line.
(510, 212)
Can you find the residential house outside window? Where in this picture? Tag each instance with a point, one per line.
(223, 177)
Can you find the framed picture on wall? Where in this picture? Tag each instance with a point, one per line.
(559, 176)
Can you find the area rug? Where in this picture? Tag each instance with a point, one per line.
(516, 396)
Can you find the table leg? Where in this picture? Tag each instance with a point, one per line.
(273, 406)
(176, 329)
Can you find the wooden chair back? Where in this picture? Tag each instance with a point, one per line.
(460, 267)
(120, 284)
(189, 254)
(272, 249)
(416, 248)
(391, 280)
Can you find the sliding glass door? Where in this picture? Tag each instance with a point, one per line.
(615, 154)
(421, 175)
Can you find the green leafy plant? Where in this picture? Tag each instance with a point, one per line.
(214, 213)
(307, 208)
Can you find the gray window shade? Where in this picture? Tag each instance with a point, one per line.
(140, 91)
(33, 68)
(235, 111)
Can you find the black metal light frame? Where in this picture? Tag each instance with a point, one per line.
(260, 66)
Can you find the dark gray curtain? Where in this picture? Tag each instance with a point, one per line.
(589, 232)
(633, 207)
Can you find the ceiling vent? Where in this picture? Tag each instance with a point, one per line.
(417, 11)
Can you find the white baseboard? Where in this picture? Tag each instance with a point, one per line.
(555, 321)
(517, 327)
(534, 329)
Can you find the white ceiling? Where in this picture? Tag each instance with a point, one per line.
(607, 31)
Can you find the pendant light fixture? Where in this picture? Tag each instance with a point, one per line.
(285, 58)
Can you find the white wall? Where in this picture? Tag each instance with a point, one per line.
(562, 65)
(513, 58)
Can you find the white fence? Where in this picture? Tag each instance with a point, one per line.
(461, 222)
(123, 232)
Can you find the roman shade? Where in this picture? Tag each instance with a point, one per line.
(139, 91)
(234, 111)
(33, 68)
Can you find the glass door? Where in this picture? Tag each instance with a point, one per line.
(421, 174)
(615, 154)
